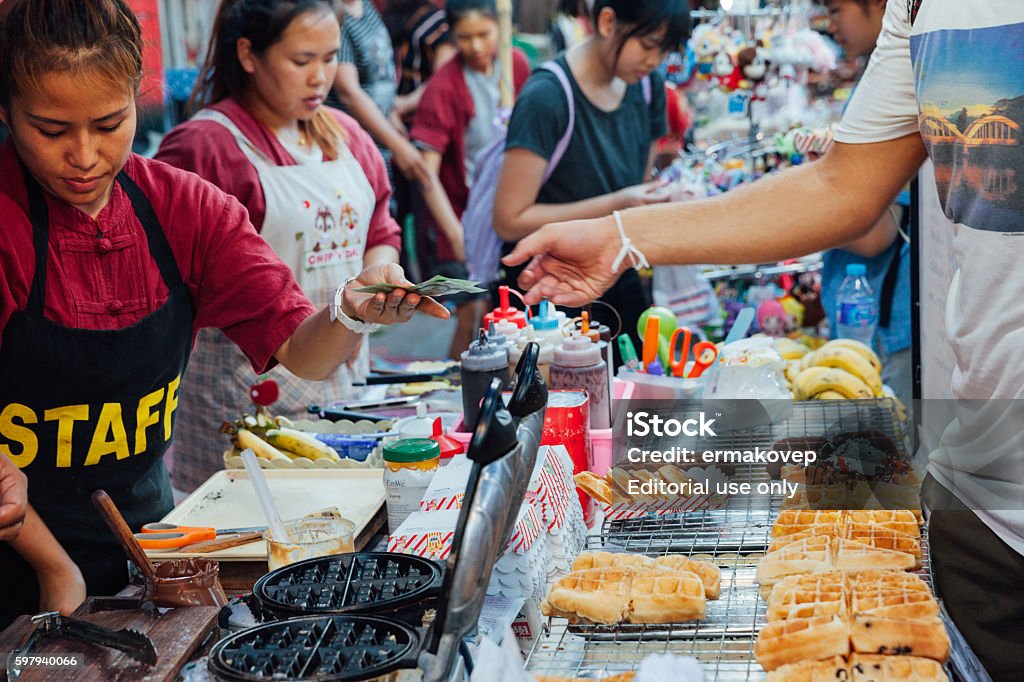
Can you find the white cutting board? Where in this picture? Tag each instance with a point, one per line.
(227, 500)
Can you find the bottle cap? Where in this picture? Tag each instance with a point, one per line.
(497, 338)
(505, 310)
(856, 269)
(415, 427)
(483, 356)
(578, 351)
(544, 320)
(411, 450)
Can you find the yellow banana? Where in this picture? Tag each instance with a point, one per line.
(865, 351)
(829, 395)
(302, 444)
(792, 370)
(245, 438)
(790, 349)
(845, 358)
(814, 380)
(807, 360)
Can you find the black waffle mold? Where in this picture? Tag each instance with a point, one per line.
(316, 649)
(381, 583)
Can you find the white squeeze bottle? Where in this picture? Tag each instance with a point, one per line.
(578, 365)
(544, 359)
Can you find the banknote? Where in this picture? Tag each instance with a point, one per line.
(437, 285)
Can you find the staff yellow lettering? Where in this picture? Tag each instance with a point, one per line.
(18, 433)
(110, 422)
(172, 405)
(66, 418)
(146, 417)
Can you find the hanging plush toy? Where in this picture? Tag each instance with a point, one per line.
(771, 318)
(706, 43)
(727, 74)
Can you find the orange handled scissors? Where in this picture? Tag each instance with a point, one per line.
(678, 362)
(704, 355)
(173, 536)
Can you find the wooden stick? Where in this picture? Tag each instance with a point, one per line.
(507, 82)
(226, 542)
(108, 510)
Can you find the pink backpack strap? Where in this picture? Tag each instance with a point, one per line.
(563, 143)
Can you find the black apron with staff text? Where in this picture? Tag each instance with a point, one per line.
(84, 409)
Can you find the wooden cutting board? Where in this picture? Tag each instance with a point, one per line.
(179, 635)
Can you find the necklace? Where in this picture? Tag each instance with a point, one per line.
(293, 135)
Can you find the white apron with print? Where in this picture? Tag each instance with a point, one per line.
(317, 221)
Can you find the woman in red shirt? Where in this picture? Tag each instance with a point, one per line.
(109, 265)
(453, 123)
(313, 181)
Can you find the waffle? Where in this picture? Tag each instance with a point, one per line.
(595, 486)
(795, 520)
(897, 519)
(854, 557)
(598, 595)
(871, 668)
(663, 597)
(890, 595)
(884, 538)
(903, 636)
(783, 540)
(614, 594)
(807, 596)
(588, 560)
(810, 555)
(709, 574)
(620, 479)
(801, 639)
(831, 670)
(674, 474)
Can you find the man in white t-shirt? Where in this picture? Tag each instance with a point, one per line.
(947, 83)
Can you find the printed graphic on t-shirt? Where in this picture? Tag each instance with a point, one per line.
(970, 93)
(333, 240)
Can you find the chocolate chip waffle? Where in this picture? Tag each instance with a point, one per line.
(873, 668)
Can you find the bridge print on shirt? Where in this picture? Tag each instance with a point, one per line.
(970, 95)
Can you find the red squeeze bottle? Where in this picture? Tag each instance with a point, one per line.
(505, 310)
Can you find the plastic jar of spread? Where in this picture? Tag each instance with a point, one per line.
(409, 466)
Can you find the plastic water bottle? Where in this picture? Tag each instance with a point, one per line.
(856, 306)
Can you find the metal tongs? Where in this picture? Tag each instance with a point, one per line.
(52, 624)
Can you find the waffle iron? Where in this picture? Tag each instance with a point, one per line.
(360, 616)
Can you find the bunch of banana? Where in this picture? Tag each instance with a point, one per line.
(842, 368)
(262, 434)
(790, 349)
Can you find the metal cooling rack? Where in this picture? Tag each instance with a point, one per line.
(734, 538)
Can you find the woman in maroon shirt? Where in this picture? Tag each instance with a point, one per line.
(313, 181)
(109, 264)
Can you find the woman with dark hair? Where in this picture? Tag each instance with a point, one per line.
(618, 105)
(109, 265)
(455, 120)
(312, 180)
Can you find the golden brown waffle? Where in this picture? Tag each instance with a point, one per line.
(783, 540)
(831, 670)
(810, 555)
(674, 474)
(588, 560)
(873, 668)
(884, 538)
(795, 520)
(854, 557)
(598, 595)
(897, 519)
(616, 594)
(595, 486)
(899, 636)
(807, 596)
(709, 574)
(893, 596)
(663, 597)
(619, 480)
(801, 639)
